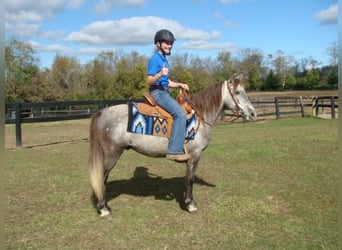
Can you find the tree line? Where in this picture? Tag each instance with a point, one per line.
(120, 75)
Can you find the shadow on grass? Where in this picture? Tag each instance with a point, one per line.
(147, 184)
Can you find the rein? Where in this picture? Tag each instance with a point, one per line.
(236, 113)
(197, 111)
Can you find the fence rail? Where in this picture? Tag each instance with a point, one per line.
(18, 113)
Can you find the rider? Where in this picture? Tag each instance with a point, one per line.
(159, 82)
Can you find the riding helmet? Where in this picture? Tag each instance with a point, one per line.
(164, 35)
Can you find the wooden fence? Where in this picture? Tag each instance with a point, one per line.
(18, 113)
(321, 102)
(270, 107)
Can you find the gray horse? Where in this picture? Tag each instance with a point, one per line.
(109, 136)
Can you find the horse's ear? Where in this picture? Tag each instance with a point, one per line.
(238, 78)
(237, 81)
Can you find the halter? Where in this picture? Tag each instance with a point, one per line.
(237, 112)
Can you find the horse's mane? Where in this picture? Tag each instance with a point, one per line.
(208, 100)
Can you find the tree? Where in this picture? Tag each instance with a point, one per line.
(21, 65)
(333, 53)
(66, 72)
(130, 76)
(250, 65)
(272, 82)
(282, 68)
(98, 79)
(43, 88)
(290, 82)
(224, 67)
(312, 79)
(333, 78)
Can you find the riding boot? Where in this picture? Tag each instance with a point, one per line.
(178, 157)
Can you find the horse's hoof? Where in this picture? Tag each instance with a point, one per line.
(105, 213)
(191, 207)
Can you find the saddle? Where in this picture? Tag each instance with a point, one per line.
(151, 108)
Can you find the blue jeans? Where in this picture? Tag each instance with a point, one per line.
(162, 96)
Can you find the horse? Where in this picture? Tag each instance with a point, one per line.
(109, 137)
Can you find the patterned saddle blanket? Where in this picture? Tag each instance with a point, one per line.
(155, 121)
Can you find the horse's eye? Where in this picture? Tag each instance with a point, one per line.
(237, 93)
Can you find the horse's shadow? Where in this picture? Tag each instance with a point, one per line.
(146, 184)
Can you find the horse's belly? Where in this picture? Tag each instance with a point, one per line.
(149, 145)
(114, 125)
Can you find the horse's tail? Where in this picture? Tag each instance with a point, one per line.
(95, 162)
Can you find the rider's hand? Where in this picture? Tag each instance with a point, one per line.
(184, 86)
(164, 71)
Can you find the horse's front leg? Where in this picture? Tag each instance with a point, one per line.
(190, 204)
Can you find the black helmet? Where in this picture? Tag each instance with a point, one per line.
(164, 35)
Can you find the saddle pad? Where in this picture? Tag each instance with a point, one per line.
(154, 126)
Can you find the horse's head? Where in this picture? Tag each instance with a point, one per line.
(237, 99)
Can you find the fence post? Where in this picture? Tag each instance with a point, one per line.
(101, 105)
(332, 98)
(18, 124)
(301, 105)
(314, 104)
(277, 107)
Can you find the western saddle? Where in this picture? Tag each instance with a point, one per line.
(151, 108)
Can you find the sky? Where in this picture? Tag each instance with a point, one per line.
(84, 28)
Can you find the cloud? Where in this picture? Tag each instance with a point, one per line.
(55, 48)
(104, 6)
(205, 45)
(328, 16)
(24, 17)
(40, 8)
(22, 28)
(230, 24)
(134, 31)
(229, 1)
(93, 50)
(75, 4)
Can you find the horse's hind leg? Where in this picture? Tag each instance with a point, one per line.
(99, 175)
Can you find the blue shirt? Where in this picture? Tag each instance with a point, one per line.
(155, 65)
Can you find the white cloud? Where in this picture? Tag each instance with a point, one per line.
(229, 24)
(75, 4)
(205, 45)
(42, 8)
(134, 31)
(229, 1)
(104, 6)
(55, 48)
(22, 29)
(24, 17)
(328, 16)
(218, 14)
(93, 50)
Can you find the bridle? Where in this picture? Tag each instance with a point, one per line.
(237, 112)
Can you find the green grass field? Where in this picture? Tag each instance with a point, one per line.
(262, 185)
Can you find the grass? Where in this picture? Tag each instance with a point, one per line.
(264, 185)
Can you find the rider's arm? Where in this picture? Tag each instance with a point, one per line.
(173, 84)
(152, 79)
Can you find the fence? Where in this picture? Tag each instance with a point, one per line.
(280, 106)
(19, 113)
(325, 102)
